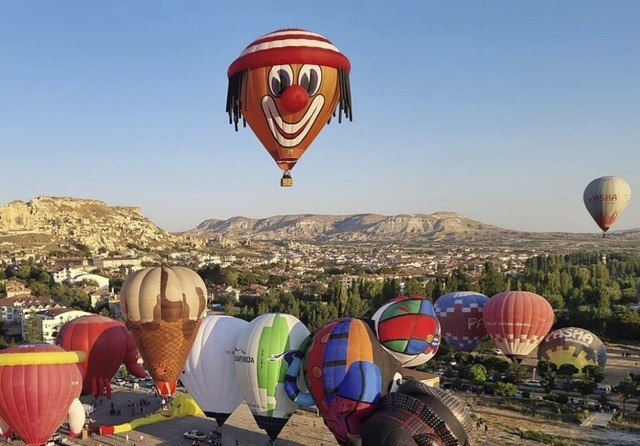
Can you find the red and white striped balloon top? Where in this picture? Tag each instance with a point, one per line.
(289, 46)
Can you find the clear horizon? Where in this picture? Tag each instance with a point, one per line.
(499, 112)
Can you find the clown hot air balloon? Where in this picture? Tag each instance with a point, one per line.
(460, 316)
(162, 308)
(39, 386)
(606, 198)
(287, 85)
(106, 344)
(517, 321)
(209, 374)
(409, 329)
(573, 345)
(347, 372)
(262, 355)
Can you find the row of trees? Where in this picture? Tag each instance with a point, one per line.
(590, 290)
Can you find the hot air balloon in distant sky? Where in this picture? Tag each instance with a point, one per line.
(460, 316)
(606, 198)
(409, 329)
(262, 355)
(162, 308)
(417, 414)
(347, 372)
(286, 85)
(39, 385)
(517, 321)
(209, 373)
(573, 345)
(107, 344)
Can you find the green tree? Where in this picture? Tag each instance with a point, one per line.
(568, 370)
(594, 373)
(628, 388)
(491, 280)
(548, 372)
(33, 329)
(413, 287)
(505, 389)
(477, 374)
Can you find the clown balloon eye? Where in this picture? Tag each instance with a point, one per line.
(279, 79)
(309, 78)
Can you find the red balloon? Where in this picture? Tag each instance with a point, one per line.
(517, 321)
(38, 383)
(107, 344)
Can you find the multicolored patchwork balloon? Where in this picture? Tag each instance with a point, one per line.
(409, 329)
(347, 372)
(460, 316)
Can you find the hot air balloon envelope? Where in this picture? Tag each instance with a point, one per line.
(38, 385)
(605, 199)
(262, 355)
(286, 85)
(209, 373)
(347, 371)
(409, 329)
(162, 308)
(107, 344)
(517, 321)
(460, 316)
(573, 345)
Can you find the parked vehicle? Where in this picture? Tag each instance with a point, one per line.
(532, 383)
(195, 435)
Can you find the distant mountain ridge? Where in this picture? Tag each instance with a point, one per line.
(46, 224)
(371, 227)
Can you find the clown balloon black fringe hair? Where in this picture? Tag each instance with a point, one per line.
(237, 100)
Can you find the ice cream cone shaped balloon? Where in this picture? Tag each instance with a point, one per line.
(287, 85)
(162, 308)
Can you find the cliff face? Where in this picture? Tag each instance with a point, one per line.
(371, 227)
(54, 222)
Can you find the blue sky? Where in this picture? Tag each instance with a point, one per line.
(501, 111)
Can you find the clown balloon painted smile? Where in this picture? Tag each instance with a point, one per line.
(287, 85)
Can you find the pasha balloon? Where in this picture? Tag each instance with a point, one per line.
(347, 372)
(409, 329)
(162, 308)
(286, 85)
(517, 321)
(605, 199)
(209, 373)
(573, 345)
(419, 415)
(106, 344)
(262, 355)
(39, 385)
(460, 316)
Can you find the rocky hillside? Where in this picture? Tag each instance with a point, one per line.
(365, 227)
(47, 223)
